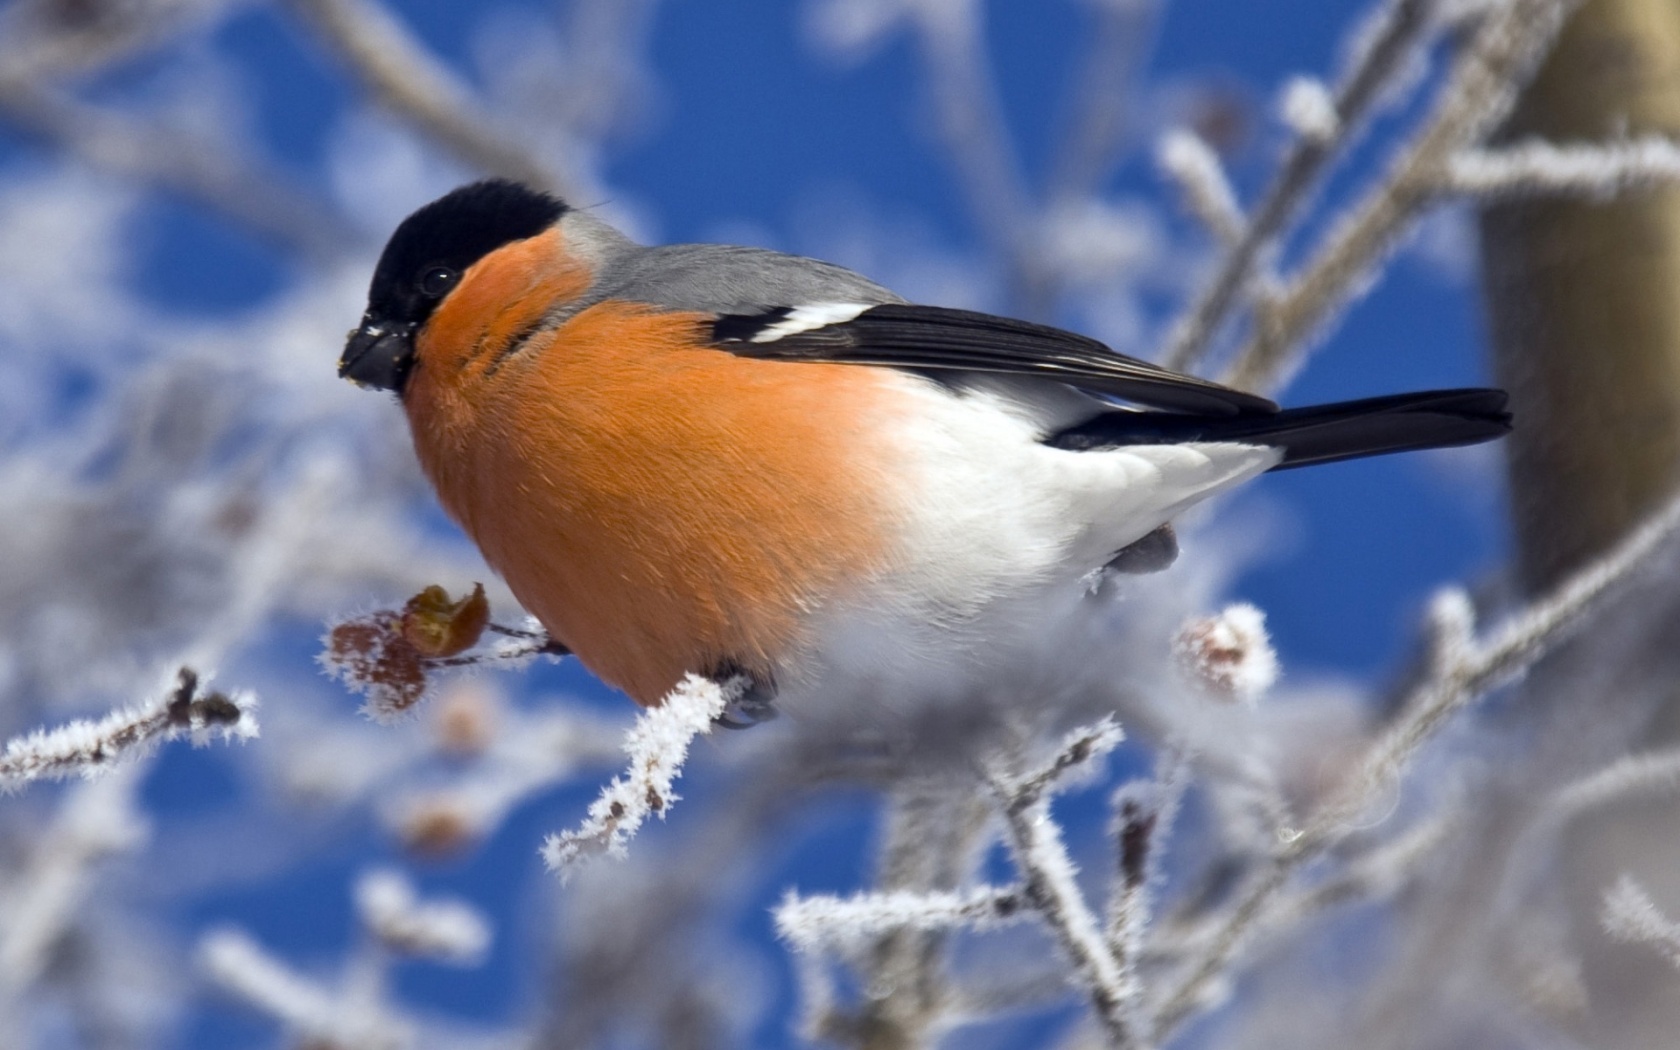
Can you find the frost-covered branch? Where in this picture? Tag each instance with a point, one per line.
(1402, 26)
(657, 745)
(849, 924)
(1143, 816)
(1535, 168)
(44, 39)
(332, 1020)
(1461, 668)
(448, 930)
(85, 747)
(1656, 773)
(1477, 93)
(403, 74)
(1048, 874)
(45, 897)
(1629, 914)
(40, 48)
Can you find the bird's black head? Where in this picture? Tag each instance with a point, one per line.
(424, 260)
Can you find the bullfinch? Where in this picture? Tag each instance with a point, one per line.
(735, 462)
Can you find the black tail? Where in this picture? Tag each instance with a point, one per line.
(1374, 426)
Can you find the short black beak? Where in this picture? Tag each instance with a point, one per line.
(378, 355)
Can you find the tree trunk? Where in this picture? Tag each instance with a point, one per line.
(1584, 305)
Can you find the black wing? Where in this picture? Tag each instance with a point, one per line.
(931, 337)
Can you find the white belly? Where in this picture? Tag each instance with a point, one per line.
(997, 533)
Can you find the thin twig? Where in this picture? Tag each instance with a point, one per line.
(87, 747)
(403, 74)
(1207, 193)
(847, 923)
(974, 133)
(1475, 97)
(1143, 818)
(1048, 874)
(1403, 26)
(1630, 915)
(197, 169)
(1099, 95)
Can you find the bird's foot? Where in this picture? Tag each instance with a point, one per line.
(753, 701)
(1154, 553)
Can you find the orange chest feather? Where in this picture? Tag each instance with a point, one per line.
(662, 507)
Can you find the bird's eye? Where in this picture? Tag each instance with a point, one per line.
(437, 280)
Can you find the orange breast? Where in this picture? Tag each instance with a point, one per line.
(661, 507)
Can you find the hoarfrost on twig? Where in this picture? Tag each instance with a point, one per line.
(1478, 92)
(87, 747)
(1049, 875)
(848, 924)
(1400, 28)
(657, 745)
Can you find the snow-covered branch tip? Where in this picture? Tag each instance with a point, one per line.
(388, 655)
(1227, 656)
(1307, 106)
(657, 746)
(89, 746)
(450, 931)
(1077, 751)
(1195, 168)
